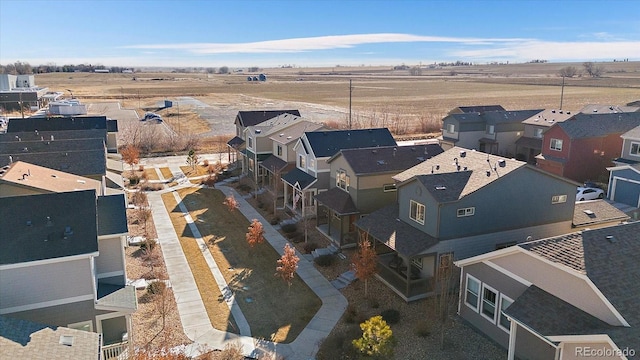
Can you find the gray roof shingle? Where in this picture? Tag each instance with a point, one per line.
(112, 215)
(48, 226)
(57, 124)
(327, 143)
(387, 159)
(596, 125)
(297, 176)
(477, 109)
(596, 212)
(337, 200)
(252, 118)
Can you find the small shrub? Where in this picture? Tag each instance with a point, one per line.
(325, 260)
(422, 329)
(309, 247)
(141, 168)
(134, 180)
(391, 316)
(231, 352)
(156, 287)
(288, 228)
(148, 244)
(205, 163)
(151, 186)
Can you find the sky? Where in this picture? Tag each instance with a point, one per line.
(300, 33)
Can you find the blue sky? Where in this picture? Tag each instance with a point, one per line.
(315, 33)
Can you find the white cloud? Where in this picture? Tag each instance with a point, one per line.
(312, 43)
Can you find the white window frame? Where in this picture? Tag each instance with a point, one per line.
(495, 305)
(261, 170)
(451, 128)
(79, 325)
(389, 187)
(466, 290)
(418, 206)
(252, 164)
(537, 133)
(557, 146)
(250, 142)
(491, 129)
(637, 144)
(463, 212)
(279, 150)
(503, 297)
(558, 199)
(312, 164)
(302, 162)
(342, 180)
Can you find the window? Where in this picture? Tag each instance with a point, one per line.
(538, 133)
(451, 128)
(416, 212)
(466, 211)
(635, 149)
(84, 326)
(251, 163)
(302, 162)
(491, 129)
(389, 187)
(556, 144)
(312, 163)
(261, 171)
(250, 143)
(342, 180)
(558, 199)
(489, 302)
(417, 262)
(279, 150)
(504, 323)
(472, 293)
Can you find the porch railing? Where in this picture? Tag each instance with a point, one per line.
(117, 351)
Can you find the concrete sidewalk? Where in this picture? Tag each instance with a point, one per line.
(191, 308)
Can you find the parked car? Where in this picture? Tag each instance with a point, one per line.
(589, 193)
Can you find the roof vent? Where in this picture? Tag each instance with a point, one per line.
(463, 153)
(28, 222)
(49, 222)
(258, 131)
(589, 213)
(553, 111)
(568, 112)
(488, 173)
(441, 187)
(54, 175)
(502, 163)
(68, 231)
(288, 137)
(66, 340)
(464, 168)
(611, 239)
(81, 181)
(381, 162)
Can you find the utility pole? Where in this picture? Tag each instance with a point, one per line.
(562, 93)
(350, 92)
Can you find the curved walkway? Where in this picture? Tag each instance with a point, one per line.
(193, 315)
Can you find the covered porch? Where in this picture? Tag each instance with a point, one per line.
(273, 169)
(115, 304)
(298, 192)
(234, 151)
(403, 262)
(336, 215)
(527, 148)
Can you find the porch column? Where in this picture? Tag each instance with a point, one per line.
(512, 341)
(129, 334)
(329, 215)
(341, 228)
(408, 275)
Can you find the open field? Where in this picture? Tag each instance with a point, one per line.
(380, 97)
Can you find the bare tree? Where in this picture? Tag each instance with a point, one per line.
(568, 71)
(130, 155)
(364, 261)
(255, 235)
(592, 69)
(446, 296)
(287, 265)
(415, 71)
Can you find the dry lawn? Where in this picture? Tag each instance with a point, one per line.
(199, 170)
(166, 173)
(273, 312)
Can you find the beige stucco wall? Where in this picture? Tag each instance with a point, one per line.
(7, 190)
(111, 256)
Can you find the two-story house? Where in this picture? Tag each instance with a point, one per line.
(459, 204)
(566, 297)
(283, 157)
(361, 181)
(312, 172)
(493, 132)
(624, 175)
(583, 147)
(529, 145)
(243, 120)
(63, 261)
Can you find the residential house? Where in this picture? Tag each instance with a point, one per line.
(63, 262)
(459, 204)
(529, 145)
(609, 109)
(22, 339)
(312, 172)
(243, 120)
(476, 109)
(259, 145)
(565, 297)
(55, 124)
(593, 214)
(493, 132)
(283, 157)
(361, 181)
(21, 178)
(624, 175)
(583, 147)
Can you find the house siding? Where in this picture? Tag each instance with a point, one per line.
(531, 347)
(548, 165)
(7, 190)
(47, 282)
(369, 200)
(503, 284)
(480, 244)
(505, 205)
(62, 315)
(323, 180)
(415, 191)
(590, 158)
(507, 142)
(626, 149)
(111, 256)
(470, 139)
(559, 283)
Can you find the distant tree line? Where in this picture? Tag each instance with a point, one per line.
(22, 68)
